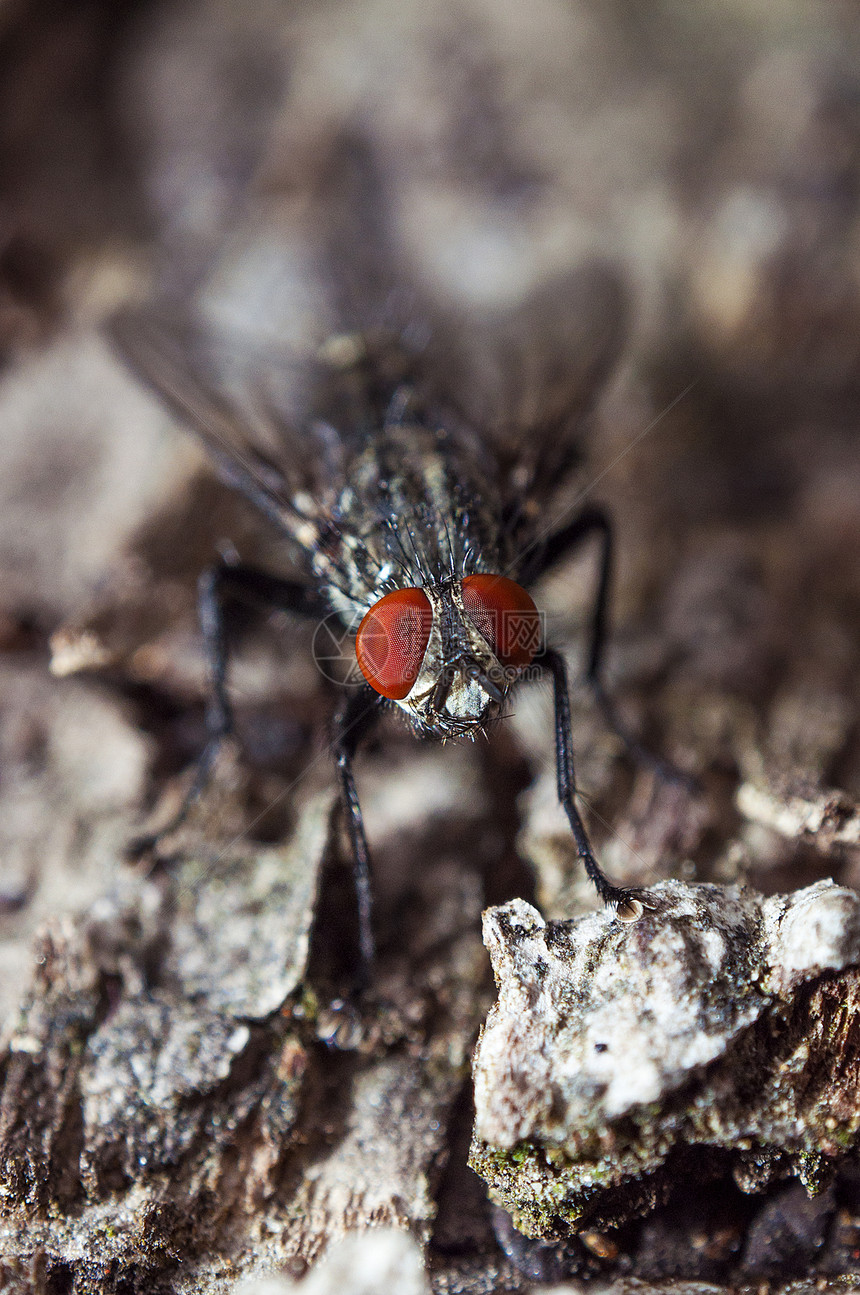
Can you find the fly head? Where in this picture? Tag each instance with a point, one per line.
(447, 653)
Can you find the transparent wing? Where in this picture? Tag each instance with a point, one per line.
(280, 422)
(520, 375)
(235, 397)
(527, 375)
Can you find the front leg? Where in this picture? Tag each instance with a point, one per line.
(596, 521)
(216, 586)
(352, 724)
(620, 897)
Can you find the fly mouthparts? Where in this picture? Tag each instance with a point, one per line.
(483, 680)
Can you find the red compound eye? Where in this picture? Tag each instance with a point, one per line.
(392, 639)
(505, 616)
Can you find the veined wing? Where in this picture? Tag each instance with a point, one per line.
(521, 373)
(251, 443)
(528, 374)
(516, 379)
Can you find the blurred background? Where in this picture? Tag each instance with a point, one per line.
(706, 156)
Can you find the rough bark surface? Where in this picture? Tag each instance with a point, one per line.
(186, 1103)
(716, 1027)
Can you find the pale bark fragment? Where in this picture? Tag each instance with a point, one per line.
(720, 1023)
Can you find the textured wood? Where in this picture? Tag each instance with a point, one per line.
(183, 1101)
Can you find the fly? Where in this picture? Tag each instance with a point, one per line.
(411, 530)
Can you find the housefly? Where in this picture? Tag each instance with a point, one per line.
(418, 533)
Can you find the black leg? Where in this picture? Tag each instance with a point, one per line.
(352, 723)
(216, 585)
(566, 782)
(591, 521)
(596, 521)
